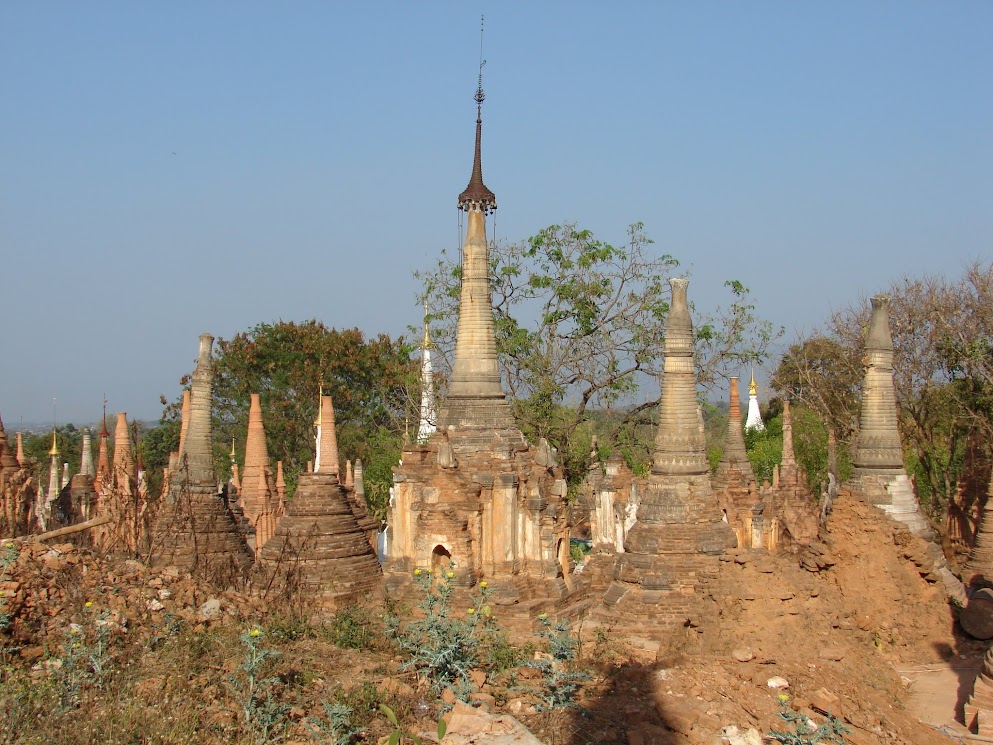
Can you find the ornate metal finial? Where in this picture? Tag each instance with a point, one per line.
(476, 196)
(480, 96)
(103, 426)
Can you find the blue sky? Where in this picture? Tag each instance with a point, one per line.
(173, 168)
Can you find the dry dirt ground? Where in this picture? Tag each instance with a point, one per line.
(852, 628)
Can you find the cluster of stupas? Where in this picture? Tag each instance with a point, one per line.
(471, 496)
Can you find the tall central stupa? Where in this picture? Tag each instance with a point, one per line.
(474, 498)
(476, 398)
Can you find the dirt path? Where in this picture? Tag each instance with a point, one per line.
(938, 691)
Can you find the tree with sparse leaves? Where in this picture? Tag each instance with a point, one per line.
(580, 326)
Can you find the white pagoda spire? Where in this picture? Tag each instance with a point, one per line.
(429, 417)
(754, 418)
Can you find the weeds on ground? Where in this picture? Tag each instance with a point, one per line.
(560, 680)
(335, 727)
(85, 661)
(443, 647)
(353, 627)
(8, 557)
(262, 714)
(804, 732)
(399, 733)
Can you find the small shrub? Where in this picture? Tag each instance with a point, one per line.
(804, 733)
(335, 727)
(443, 647)
(559, 681)
(262, 714)
(8, 557)
(353, 628)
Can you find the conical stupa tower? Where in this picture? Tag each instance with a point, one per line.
(674, 546)
(735, 456)
(476, 399)
(256, 461)
(123, 458)
(327, 443)
(86, 467)
(318, 547)
(54, 483)
(788, 471)
(8, 459)
(878, 473)
(196, 530)
(428, 424)
(978, 570)
(754, 418)
(184, 422)
(22, 459)
(104, 472)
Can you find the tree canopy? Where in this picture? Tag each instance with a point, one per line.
(943, 373)
(580, 326)
(287, 363)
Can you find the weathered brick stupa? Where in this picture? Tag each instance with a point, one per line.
(18, 489)
(978, 569)
(878, 474)
(251, 498)
(475, 498)
(793, 512)
(195, 529)
(104, 473)
(318, 547)
(671, 553)
(83, 496)
(734, 480)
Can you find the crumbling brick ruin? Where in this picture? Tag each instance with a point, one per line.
(195, 529)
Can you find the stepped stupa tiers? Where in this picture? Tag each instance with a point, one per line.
(672, 550)
(878, 473)
(475, 396)
(978, 570)
(196, 530)
(735, 457)
(318, 547)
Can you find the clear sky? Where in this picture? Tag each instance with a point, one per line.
(168, 168)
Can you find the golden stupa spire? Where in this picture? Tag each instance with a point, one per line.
(232, 453)
(55, 444)
(426, 344)
(753, 389)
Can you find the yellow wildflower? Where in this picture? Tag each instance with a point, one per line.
(89, 604)
(255, 632)
(471, 611)
(417, 572)
(450, 575)
(483, 584)
(783, 697)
